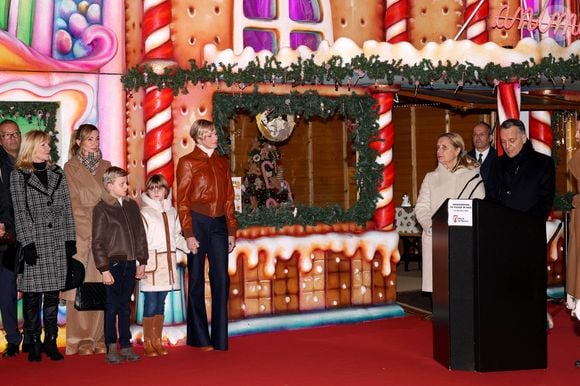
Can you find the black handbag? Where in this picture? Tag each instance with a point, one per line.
(91, 296)
(75, 274)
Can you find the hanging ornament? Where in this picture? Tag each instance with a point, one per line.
(275, 129)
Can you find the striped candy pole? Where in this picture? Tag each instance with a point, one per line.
(396, 14)
(476, 12)
(541, 131)
(385, 213)
(508, 105)
(157, 104)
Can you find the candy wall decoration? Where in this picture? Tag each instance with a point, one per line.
(385, 213)
(476, 13)
(508, 105)
(158, 152)
(541, 131)
(396, 21)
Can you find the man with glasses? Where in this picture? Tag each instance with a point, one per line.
(9, 147)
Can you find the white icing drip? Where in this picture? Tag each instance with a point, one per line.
(283, 247)
(454, 51)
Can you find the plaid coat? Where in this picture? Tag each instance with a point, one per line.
(43, 216)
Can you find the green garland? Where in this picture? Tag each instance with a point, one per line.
(44, 112)
(360, 70)
(311, 104)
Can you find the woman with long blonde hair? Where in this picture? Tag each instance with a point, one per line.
(45, 229)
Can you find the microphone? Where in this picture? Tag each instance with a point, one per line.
(466, 184)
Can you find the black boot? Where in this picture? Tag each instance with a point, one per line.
(34, 349)
(31, 308)
(50, 307)
(50, 348)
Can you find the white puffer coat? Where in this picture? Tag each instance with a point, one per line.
(161, 269)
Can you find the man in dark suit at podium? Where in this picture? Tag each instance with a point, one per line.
(521, 178)
(482, 151)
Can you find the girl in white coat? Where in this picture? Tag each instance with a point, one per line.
(456, 176)
(164, 239)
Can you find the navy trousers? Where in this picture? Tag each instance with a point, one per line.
(212, 235)
(9, 305)
(117, 308)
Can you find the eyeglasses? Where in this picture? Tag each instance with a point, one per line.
(14, 135)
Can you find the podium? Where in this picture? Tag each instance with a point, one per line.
(489, 288)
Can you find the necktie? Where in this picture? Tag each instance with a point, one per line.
(480, 159)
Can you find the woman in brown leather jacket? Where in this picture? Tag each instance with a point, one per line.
(205, 203)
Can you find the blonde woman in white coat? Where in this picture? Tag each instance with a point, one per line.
(456, 176)
(164, 239)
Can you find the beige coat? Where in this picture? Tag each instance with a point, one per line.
(438, 186)
(85, 191)
(573, 263)
(161, 269)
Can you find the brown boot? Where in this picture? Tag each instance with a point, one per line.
(149, 336)
(158, 338)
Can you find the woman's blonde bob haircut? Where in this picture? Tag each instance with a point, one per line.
(463, 160)
(30, 143)
(200, 128)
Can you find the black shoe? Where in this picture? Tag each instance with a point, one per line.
(34, 350)
(51, 350)
(578, 363)
(11, 350)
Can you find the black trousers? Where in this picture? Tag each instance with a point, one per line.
(9, 305)
(31, 305)
(212, 235)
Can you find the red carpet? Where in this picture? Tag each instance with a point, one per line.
(386, 352)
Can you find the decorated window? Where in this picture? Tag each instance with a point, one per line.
(274, 24)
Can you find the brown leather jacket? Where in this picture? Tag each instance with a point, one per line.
(118, 232)
(204, 185)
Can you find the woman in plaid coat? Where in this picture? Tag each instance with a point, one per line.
(45, 229)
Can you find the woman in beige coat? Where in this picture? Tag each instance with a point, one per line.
(84, 173)
(165, 243)
(573, 263)
(456, 176)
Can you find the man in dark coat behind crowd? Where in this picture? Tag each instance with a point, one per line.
(522, 178)
(482, 150)
(9, 147)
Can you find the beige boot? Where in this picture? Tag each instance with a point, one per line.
(158, 337)
(149, 336)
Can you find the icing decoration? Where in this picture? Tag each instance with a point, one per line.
(18, 56)
(284, 247)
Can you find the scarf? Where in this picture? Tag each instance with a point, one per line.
(91, 160)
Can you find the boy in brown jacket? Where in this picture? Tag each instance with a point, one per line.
(119, 241)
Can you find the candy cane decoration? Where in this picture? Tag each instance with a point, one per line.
(541, 131)
(158, 48)
(396, 15)
(508, 105)
(476, 13)
(385, 212)
(265, 172)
